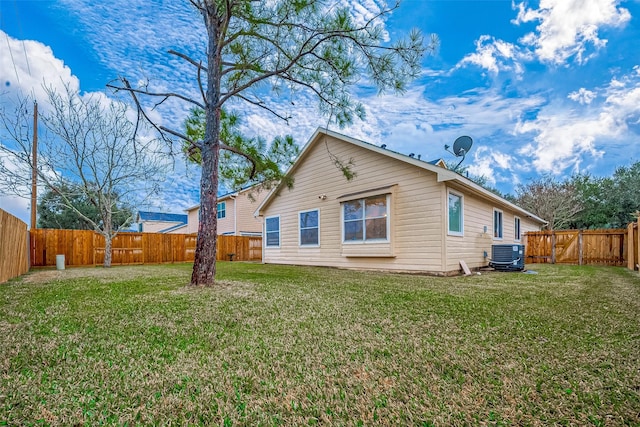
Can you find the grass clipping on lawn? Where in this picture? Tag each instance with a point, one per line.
(283, 345)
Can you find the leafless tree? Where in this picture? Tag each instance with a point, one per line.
(86, 144)
(557, 202)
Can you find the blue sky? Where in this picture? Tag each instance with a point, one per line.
(541, 87)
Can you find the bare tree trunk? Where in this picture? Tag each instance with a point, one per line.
(204, 264)
(107, 219)
(107, 250)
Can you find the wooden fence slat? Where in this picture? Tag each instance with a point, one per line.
(14, 247)
(86, 247)
(636, 245)
(630, 252)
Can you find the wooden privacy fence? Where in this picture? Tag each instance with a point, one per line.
(86, 247)
(14, 238)
(584, 247)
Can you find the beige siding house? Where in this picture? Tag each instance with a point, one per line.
(161, 222)
(235, 213)
(399, 213)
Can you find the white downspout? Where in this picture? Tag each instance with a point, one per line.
(235, 215)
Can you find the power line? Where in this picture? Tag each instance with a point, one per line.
(24, 47)
(12, 60)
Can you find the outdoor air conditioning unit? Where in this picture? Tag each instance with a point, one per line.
(507, 257)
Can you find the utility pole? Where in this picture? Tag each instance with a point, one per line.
(34, 173)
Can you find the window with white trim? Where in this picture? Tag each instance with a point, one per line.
(309, 224)
(516, 228)
(456, 224)
(272, 231)
(222, 210)
(497, 224)
(366, 219)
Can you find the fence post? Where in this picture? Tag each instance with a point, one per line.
(630, 251)
(637, 261)
(579, 247)
(553, 247)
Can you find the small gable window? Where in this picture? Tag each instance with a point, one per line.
(222, 210)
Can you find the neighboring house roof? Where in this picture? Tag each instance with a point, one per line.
(173, 228)
(438, 162)
(443, 174)
(161, 216)
(226, 196)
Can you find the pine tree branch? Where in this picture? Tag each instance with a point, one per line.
(263, 106)
(253, 162)
(165, 95)
(188, 59)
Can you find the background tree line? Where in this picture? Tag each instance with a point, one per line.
(583, 201)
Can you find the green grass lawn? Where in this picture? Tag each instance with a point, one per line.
(282, 345)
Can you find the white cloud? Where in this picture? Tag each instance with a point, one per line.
(583, 96)
(496, 56)
(495, 165)
(483, 165)
(567, 28)
(563, 138)
(26, 68)
(623, 96)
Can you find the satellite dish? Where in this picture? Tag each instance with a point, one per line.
(462, 145)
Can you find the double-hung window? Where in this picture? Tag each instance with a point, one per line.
(497, 224)
(456, 224)
(309, 222)
(366, 220)
(272, 231)
(222, 210)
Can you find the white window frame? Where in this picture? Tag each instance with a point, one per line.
(221, 213)
(517, 228)
(501, 213)
(266, 232)
(364, 241)
(308, 245)
(449, 231)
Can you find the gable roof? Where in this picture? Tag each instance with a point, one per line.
(438, 162)
(443, 174)
(227, 196)
(161, 216)
(173, 228)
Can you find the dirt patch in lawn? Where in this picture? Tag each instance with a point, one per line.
(103, 274)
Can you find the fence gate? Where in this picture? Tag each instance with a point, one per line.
(566, 247)
(598, 247)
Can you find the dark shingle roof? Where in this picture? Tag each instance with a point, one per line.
(161, 216)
